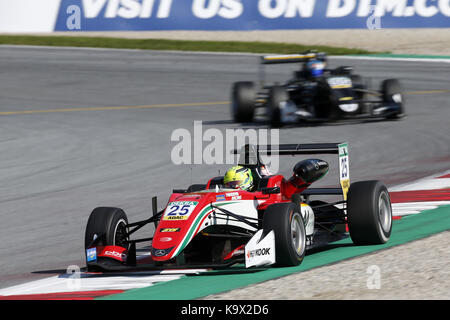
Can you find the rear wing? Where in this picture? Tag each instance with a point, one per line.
(250, 154)
(288, 58)
(294, 149)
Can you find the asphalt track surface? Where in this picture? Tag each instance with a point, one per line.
(83, 128)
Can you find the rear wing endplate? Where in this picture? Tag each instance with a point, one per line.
(344, 168)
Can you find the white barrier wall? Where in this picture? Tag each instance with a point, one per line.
(28, 15)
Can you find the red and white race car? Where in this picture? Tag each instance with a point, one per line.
(210, 226)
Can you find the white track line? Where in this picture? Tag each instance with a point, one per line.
(411, 59)
(96, 282)
(348, 57)
(402, 209)
(59, 284)
(426, 183)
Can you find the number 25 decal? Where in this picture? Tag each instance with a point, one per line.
(344, 168)
(179, 210)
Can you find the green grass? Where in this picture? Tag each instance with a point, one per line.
(184, 45)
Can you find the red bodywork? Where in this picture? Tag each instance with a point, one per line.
(172, 236)
(113, 252)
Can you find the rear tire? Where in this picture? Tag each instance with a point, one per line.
(369, 213)
(287, 223)
(108, 223)
(243, 98)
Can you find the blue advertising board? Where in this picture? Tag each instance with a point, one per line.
(99, 15)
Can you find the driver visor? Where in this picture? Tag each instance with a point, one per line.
(234, 184)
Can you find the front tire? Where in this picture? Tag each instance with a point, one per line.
(277, 95)
(392, 93)
(243, 99)
(369, 213)
(109, 224)
(287, 223)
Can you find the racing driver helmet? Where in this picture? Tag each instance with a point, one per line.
(315, 68)
(238, 177)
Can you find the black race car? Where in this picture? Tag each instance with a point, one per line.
(334, 94)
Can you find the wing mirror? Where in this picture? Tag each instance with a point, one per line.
(311, 170)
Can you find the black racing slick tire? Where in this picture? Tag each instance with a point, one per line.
(389, 88)
(243, 99)
(286, 221)
(369, 213)
(277, 95)
(109, 224)
(392, 92)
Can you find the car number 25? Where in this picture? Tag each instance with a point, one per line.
(179, 210)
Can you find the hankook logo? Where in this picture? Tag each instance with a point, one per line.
(258, 252)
